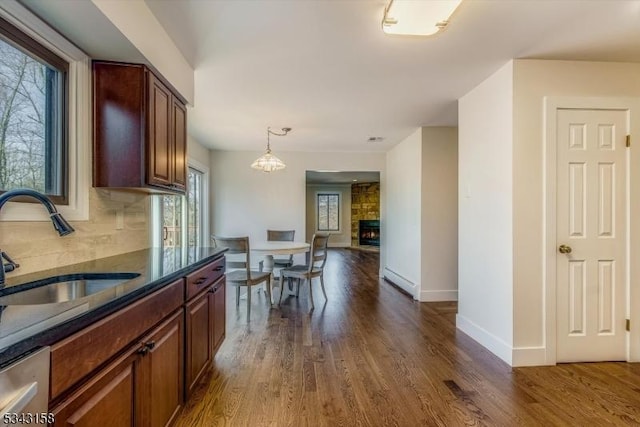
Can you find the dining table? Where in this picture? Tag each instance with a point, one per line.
(269, 248)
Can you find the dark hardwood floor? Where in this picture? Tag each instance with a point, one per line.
(371, 356)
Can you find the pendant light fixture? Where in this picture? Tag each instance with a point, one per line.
(268, 162)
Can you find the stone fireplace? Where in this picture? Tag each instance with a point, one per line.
(365, 206)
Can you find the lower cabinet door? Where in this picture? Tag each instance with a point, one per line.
(107, 399)
(219, 314)
(160, 375)
(198, 339)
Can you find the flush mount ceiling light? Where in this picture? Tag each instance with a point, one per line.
(268, 162)
(417, 17)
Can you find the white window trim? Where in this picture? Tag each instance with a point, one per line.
(156, 220)
(79, 142)
(340, 208)
(205, 239)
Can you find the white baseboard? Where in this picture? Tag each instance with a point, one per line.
(530, 356)
(401, 282)
(436, 296)
(339, 245)
(492, 343)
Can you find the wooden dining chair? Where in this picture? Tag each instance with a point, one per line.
(315, 268)
(243, 275)
(282, 236)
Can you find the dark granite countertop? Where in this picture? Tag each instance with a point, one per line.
(25, 328)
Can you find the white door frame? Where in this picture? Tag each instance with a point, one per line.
(632, 106)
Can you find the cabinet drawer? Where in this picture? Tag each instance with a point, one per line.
(78, 355)
(200, 279)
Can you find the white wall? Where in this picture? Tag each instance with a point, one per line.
(401, 226)
(138, 24)
(198, 152)
(533, 80)
(485, 302)
(439, 246)
(248, 202)
(502, 200)
(338, 239)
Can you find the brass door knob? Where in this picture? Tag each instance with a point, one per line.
(564, 249)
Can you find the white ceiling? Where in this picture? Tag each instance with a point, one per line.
(326, 69)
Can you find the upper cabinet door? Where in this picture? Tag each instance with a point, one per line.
(140, 130)
(180, 144)
(160, 141)
(119, 105)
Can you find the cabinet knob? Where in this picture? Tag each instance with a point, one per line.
(143, 351)
(200, 281)
(150, 345)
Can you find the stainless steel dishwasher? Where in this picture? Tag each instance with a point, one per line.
(24, 390)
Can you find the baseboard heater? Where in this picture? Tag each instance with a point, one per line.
(399, 281)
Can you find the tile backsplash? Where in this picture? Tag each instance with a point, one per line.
(118, 223)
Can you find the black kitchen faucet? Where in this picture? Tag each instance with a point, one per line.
(59, 223)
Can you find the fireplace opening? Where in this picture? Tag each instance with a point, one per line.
(369, 232)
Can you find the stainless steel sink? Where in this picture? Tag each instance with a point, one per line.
(59, 289)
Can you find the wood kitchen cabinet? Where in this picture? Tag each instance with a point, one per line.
(143, 387)
(136, 366)
(205, 324)
(76, 357)
(140, 128)
(107, 396)
(218, 297)
(179, 131)
(160, 374)
(199, 351)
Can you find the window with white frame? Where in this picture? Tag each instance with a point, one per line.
(328, 211)
(181, 220)
(45, 112)
(33, 119)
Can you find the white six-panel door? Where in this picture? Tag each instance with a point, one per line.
(592, 235)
